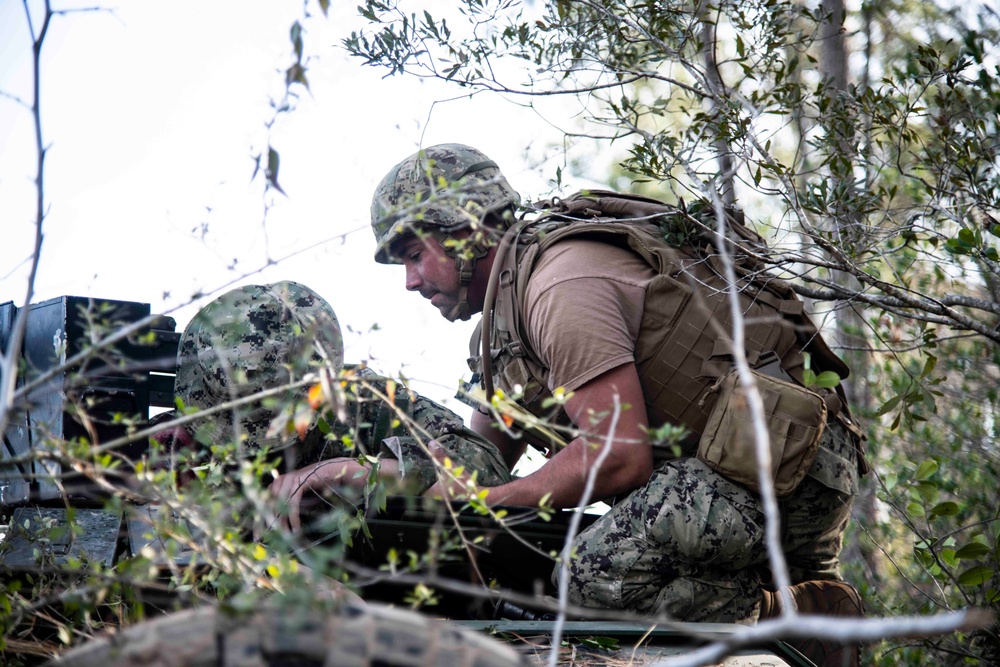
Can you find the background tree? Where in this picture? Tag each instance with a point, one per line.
(863, 142)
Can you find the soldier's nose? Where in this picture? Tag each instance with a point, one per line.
(413, 279)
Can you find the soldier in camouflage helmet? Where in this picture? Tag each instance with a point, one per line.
(249, 340)
(452, 192)
(594, 300)
(266, 340)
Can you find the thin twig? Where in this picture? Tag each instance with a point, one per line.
(574, 528)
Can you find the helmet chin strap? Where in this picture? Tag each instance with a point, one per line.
(462, 310)
(465, 263)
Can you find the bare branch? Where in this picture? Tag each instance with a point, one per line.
(574, 528)
(842, 630)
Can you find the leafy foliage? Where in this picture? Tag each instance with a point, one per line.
(865, 145)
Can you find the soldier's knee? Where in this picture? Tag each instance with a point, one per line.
(707, 520)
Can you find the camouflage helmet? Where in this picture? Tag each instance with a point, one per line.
(478, 188)
(248, 340)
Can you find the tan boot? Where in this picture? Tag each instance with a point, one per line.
(820, 598)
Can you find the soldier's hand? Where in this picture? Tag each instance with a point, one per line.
(289, 488)
(171, 442)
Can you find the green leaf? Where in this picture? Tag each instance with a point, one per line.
(928, 491)
(967, 237)
(947, 508)
(926, 469)
(607, 643)
(828, 379)
(808, 377)
(976, 576)
(296, 37)
(956, 246)
(888, 405)
(273, 163)
(890, 481)
(972, 551)
(929, 365)
(915, 509)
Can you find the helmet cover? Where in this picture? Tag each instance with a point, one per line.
(448, 186)
(248, 340)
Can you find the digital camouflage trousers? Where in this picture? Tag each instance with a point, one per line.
(690, 543)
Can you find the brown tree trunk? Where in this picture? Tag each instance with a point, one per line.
(851, 326)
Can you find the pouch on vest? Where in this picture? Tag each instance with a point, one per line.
(795, 418)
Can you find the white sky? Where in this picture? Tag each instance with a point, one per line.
(152, 113)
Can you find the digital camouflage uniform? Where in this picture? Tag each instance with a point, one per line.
(262, 337)
(690, 543)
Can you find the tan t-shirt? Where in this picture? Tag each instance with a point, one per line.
(583, 307)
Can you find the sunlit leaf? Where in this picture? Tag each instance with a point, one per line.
(390, 389)
(926, 469)
(828, 379)
(316, 396)
(302, 421)
(891, 479)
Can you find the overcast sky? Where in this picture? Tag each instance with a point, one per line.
(152, 112)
